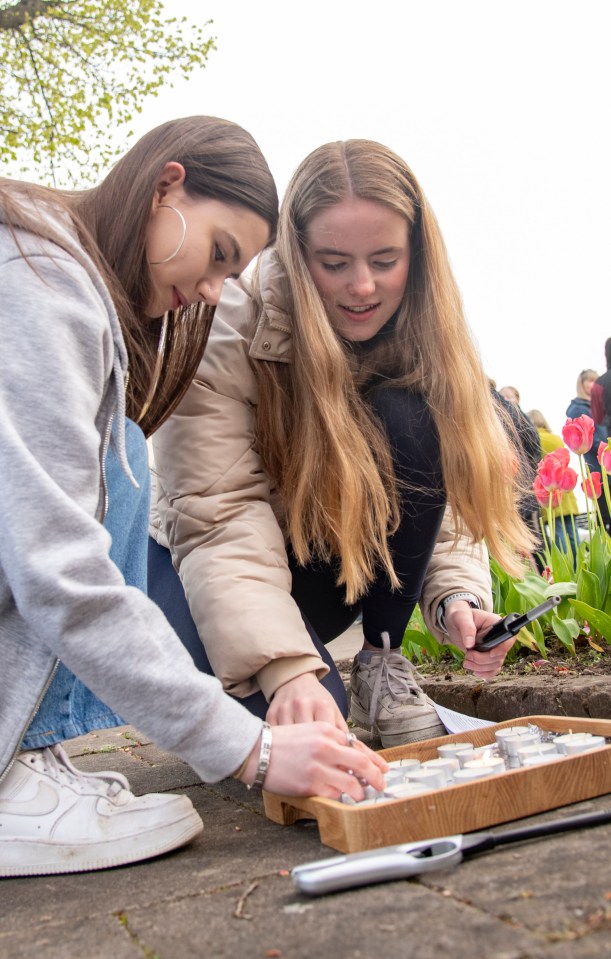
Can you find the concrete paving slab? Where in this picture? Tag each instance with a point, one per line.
(347, 645)
(229, 893)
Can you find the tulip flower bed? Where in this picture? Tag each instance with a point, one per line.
(582, 622)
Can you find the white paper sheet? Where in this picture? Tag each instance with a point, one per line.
(458, 722)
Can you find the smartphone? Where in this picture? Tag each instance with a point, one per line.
(513, 623)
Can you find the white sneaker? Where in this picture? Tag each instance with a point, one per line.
(54, 818)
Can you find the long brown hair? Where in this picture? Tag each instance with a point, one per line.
(222, 162)
(317, 436)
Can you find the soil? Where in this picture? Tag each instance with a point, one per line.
(528, 685)
(556, 665)
(580, 665)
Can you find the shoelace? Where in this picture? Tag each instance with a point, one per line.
(392, 677)
(56, 764)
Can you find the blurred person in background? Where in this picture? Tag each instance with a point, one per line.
(568, 504)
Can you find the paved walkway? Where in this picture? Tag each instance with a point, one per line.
(229, 893)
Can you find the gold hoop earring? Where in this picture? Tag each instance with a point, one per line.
(166, 206)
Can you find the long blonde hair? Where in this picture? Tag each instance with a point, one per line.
(317, 435)
(583, 376)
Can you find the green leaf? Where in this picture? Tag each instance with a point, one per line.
(562, 567)
(73, 70)
(539, 638)
(595, 617)
(561, 589)
(600, 558)
(527, 639)
(564, 634)
(415, 642)
(588, 589)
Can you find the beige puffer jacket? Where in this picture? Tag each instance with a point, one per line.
(216, 512)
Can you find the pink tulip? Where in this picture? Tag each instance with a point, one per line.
(543, 494)
(569, 479)
(554, 472)
(592, 487)
(604, 456)
(578, 434)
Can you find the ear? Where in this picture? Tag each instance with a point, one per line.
(172, 176)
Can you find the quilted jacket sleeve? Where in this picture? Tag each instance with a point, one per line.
(214, 507)
(455, 566)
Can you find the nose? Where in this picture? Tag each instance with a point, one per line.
(361, 282)
(210, 290)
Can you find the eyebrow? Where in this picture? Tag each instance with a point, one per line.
(332, 251)
(237, 253)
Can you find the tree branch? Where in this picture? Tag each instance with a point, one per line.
(15, 16)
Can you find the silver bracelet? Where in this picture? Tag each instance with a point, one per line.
(265, 753)
(472, 600)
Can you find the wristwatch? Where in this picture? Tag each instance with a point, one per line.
(469, 598)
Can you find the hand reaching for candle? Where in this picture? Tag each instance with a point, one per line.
(464, 626)
(304, 699)
(316, 759)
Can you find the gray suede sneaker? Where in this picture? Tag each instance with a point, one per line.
(385, 698)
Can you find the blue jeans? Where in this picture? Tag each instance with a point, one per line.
(165, 589)
(69, 708)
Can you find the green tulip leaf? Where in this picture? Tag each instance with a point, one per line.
(564, 634)
(562, 566)
(595, 617)
(588, 589)
(527, 639)
(561, 589)
(600, 558)
(539, 638)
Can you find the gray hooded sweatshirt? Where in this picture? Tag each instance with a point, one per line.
(62, 368)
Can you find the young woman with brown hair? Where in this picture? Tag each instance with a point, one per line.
(304, 476)
(107, 299)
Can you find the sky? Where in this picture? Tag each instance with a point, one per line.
(502, 111)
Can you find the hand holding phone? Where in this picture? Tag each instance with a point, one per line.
(512, 624)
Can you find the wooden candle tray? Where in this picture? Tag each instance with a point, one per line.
(463, 808)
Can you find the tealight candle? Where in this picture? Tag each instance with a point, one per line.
(477, 754)
(536, 759)
(371, 792)
(476, 772)
(431, 778)
(502, 734)
(447, 766)
(405, 764)
(536, 749)
(452, 750)
(404, 790)
(394, 776)
(572, 743)
(494, 763)
(511, 744)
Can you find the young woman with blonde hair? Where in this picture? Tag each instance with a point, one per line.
(304, 476)
(107, 296)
